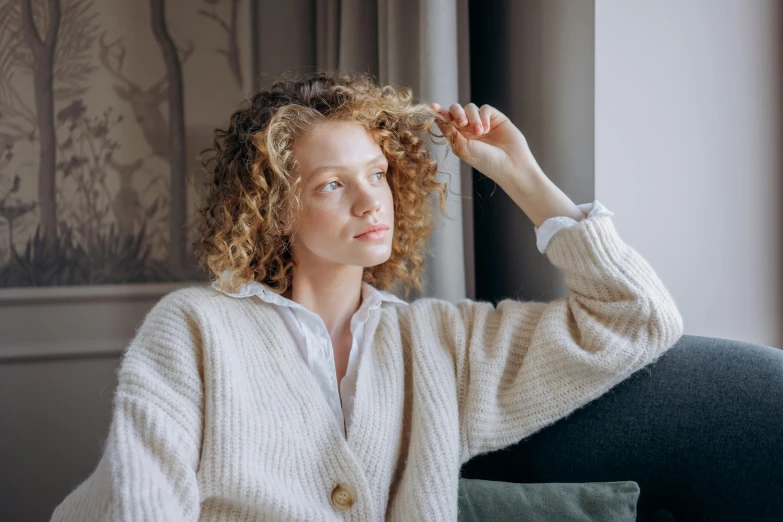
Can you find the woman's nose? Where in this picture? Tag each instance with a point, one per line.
(368, 200)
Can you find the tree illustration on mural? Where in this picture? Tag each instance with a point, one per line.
(50, 42)
(107, 211)
(57, 44)
(177, 144)
(42, 40)
(231, 52)
(42, 48)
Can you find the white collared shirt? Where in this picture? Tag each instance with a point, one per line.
(312, 338)
(313, 341)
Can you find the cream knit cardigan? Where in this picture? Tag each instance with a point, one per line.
(216, 416)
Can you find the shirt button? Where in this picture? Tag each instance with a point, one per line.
(343, 497)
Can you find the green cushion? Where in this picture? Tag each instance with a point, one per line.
(490, 501)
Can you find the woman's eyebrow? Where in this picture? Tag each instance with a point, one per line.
(322, 168)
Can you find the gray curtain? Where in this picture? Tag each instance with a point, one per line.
(531, 59)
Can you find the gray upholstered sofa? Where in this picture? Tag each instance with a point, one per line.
(700, 430)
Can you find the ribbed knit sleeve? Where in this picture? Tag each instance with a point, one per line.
(523, 365)
(148, 467)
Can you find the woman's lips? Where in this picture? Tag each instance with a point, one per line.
(369, 236)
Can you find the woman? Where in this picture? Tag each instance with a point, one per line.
(302, 389)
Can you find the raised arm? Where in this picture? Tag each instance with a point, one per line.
(523, 365)
(148, 467)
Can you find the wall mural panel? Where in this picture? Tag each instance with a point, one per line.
(104, 107)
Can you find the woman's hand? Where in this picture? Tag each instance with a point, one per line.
(487, 140)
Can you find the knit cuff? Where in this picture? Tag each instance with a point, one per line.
(592, 241)
(597, 261)
(553, 225)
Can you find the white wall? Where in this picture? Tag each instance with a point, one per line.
(687, 128)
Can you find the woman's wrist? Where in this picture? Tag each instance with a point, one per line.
(538, 197)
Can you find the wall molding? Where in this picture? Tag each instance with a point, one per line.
(61, 351)
(55, 294)
(40, 324)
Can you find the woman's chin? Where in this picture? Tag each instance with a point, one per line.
(374, 259)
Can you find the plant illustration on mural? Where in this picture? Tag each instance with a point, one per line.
(78, 204)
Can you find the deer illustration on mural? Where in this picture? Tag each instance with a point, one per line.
(145, 103)
(126, 204)
(167, 139)
(101, 195)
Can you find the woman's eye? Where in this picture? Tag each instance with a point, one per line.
(382, 173)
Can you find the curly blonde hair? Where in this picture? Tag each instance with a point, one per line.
(253, 194)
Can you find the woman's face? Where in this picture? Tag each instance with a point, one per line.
(343, 190)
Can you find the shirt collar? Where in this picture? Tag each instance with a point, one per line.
(371, 296)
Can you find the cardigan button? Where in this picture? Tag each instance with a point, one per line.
(343, 497)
